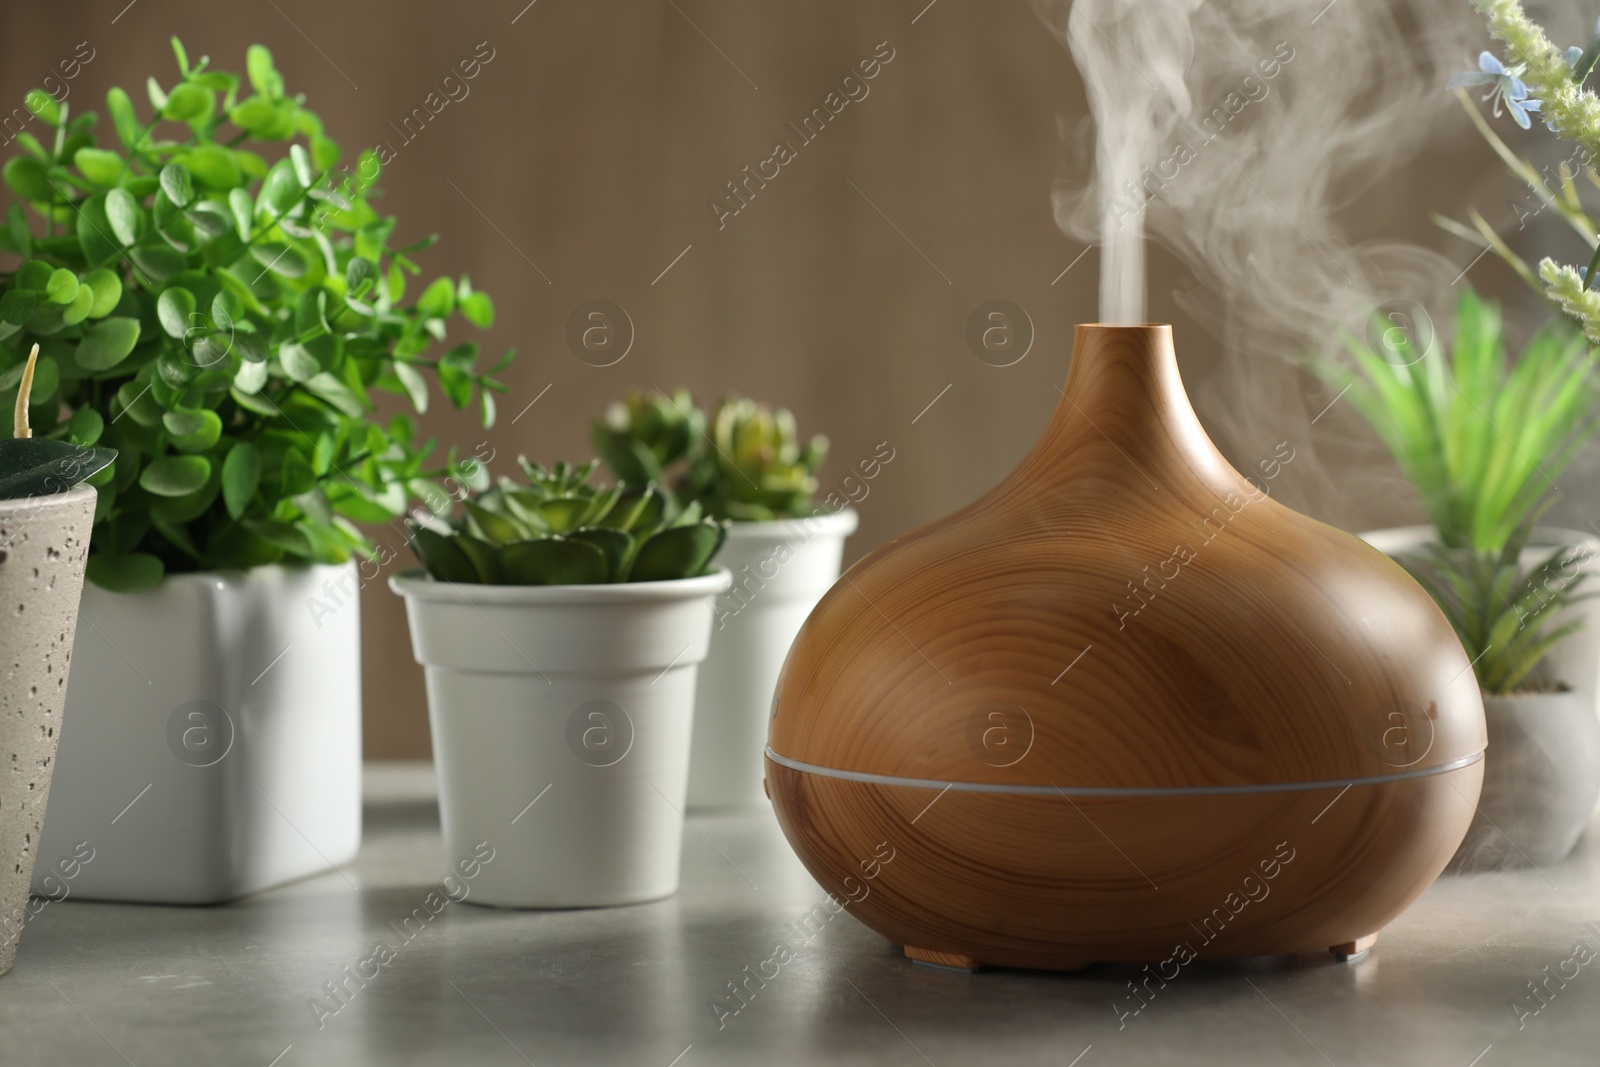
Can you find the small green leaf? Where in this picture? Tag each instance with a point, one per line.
(101, 167)
(95, 232)
(18, 305)
(281, 189)
(263, 75)
(193, 430)
(27, 178)
(302, 165)
(17, 231)
(438, 299)
(298, 363)
(106, 343)
(280, 258)
(44, 106)
(107, 288)
(178, 184)
(175, 307)
(124, 572)
(241, 474)
(123, 118)
(158, 261)
(285, 535)
(243, 211)
(85, 426)
(158, 96)
(337, 393)
(124, 215)
(213, 166)
(62, 288)
(78, 310)
(189, 102)
(175, 475)
(478, 309)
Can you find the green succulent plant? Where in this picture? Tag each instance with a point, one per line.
(650, 437)
(215, 298)
(38, 466)
(744, 463)
(557, 529)
(1503, 616)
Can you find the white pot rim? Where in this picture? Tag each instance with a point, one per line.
(415, 584)
(224, 577)
(828, 524)
(1393, 539)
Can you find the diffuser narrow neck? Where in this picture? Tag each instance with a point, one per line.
(1124, 393)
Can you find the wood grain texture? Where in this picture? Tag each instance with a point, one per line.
(1125, 610)
(1137, 613)
(1059, 882)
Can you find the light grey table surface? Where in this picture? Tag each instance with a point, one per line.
(125, 984)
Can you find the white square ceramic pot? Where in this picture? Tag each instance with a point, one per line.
(780, 570)
(211, 742)
(561, 719)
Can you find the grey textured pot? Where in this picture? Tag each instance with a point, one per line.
(1541, 776)
(44, 542)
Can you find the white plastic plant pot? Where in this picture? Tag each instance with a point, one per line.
(561, 718)
(212, 737)
(1575, 660)
(44, 541)
(780, 570)
(1541, 778)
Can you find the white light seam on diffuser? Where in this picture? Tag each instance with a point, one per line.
(1116, 791)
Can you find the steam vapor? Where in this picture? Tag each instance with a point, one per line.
(1235, 133)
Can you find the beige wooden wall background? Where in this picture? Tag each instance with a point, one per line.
(589, 146)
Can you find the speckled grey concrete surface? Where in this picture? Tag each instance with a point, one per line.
(242, 983)
(44, 542)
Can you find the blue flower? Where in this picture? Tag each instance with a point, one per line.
(1506, 87)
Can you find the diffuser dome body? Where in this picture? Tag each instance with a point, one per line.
(1125, 707)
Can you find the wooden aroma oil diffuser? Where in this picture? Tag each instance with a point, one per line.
(1125, 707)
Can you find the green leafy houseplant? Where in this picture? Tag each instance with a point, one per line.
(1503, 616)
(1481, 438)
(559, 530)
(744, 463)
(221, 320)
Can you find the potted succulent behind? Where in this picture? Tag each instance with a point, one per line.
(1482, 439)
(220, 316)
(1541, 775)
(745, 464)
(45, 516)
(560, 626)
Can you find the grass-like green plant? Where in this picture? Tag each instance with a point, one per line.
(1504, 617)
(37, 466)
(1480, 437)
(745, 463)
(216, 299)
(557, 529)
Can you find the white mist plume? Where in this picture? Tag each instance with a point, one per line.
(1136, 103)
(1235, 133)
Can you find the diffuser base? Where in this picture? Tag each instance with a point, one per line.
(949, 961)
(968, 878)
(1351, 951)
